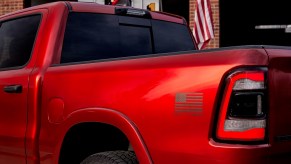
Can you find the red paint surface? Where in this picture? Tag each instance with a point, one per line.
(137, 96)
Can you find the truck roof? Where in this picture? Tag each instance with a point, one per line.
(98, 8)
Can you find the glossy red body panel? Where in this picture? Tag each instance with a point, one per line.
(92, 8)
(167, 17)
(279, 97)
(136, 95)
(47, 47)
(144, 90)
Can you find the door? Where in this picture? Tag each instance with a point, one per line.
(17, 36)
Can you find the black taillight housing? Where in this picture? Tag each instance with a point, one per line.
(248, 104)
(243, 109)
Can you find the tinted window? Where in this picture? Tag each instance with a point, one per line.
(135, 40)
(171, 37)
(91, 36)
(17, 39)
(98, 36)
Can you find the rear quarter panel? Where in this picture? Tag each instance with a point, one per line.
(144, 90)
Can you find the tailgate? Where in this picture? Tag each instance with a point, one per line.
(280, 103)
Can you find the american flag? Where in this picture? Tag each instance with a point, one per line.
(189, 102)
(203, 24)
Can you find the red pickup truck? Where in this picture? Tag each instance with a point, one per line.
(87, 83)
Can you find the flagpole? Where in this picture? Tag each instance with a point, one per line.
(161, 5)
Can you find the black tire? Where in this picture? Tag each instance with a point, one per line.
(112, 157)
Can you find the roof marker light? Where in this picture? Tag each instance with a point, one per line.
(135, 12)
(132, 12)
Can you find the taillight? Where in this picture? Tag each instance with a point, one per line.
(242, 115)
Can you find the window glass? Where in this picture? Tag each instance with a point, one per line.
(17, 39)
(90, 36)
(171, 37)
(135, 40)
(98, 36)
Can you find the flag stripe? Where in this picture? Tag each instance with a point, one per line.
(206, 23)
(203, 26)
(208, 18)
(189, 102)
(198, 29)
(201, 15)
(202, 20)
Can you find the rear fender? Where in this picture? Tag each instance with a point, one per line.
(111, 117)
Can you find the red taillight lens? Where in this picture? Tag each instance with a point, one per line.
(242, 115)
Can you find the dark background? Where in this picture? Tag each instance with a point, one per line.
(178, 7)
(239, 18)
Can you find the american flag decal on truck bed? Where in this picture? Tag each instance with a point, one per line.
(189, 102)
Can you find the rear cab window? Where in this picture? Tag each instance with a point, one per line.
(91, 36)
(171, 37)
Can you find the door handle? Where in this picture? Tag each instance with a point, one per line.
(13, 89)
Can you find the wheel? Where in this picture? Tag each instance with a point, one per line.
(112, 157)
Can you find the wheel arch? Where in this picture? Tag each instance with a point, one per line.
(109, 117)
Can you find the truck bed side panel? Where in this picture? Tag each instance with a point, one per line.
(147, 91)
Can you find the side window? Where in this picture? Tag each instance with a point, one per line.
(17, 39)
(91, 36)
(171, 37)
